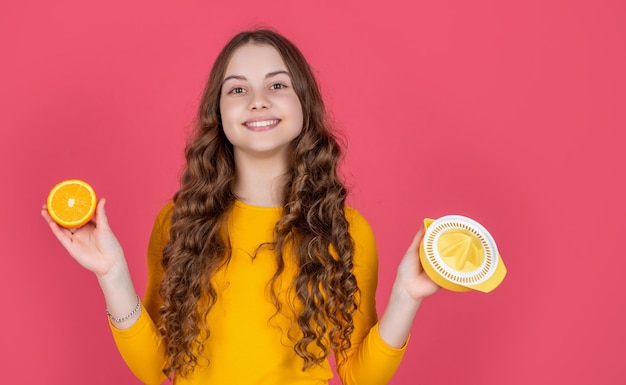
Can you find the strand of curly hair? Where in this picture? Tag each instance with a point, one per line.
(325, 284)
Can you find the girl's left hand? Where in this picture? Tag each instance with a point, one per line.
(411, 278)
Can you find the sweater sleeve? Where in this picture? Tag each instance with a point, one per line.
(140, 345)
(369, 360)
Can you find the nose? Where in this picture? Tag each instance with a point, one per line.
(259, 101)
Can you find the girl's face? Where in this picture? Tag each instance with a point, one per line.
(261, 113)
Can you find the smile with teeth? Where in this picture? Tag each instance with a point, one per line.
(260, 124)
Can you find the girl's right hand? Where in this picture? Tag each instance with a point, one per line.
(93, 246)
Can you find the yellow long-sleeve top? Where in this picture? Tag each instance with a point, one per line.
(247, 344)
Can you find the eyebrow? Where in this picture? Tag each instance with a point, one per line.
(267, 76)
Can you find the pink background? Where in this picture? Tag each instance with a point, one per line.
(508, 112)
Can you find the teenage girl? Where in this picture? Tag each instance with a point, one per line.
(258, 273)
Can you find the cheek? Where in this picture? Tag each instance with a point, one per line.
(296, 110)
(223, 109)
(300, 120)
(227, 111)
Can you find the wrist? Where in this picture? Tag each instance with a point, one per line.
(128, 316)
(401, 295)
(395, 324)
(117, 276)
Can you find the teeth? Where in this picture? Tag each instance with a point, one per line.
(262, 123)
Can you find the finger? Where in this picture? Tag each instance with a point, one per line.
(45, 214)
(101, 219)
(63, 234)
(417, 239)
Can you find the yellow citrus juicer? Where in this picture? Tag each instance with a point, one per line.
(459, 254)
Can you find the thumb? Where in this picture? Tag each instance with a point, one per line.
(102, 221)
(416, 240)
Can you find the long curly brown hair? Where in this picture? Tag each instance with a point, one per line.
(313, 229)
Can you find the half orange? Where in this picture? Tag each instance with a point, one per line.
(72, 203)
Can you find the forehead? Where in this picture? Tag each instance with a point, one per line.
(251, 59)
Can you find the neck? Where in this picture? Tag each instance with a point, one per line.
(260, 181)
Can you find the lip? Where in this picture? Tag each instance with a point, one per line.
(261, 123)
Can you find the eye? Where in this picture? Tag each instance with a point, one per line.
(278, 86)
(236, 90)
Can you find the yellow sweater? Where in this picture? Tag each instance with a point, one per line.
(247, 345)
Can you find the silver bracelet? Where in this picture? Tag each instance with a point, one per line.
(128, 316)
